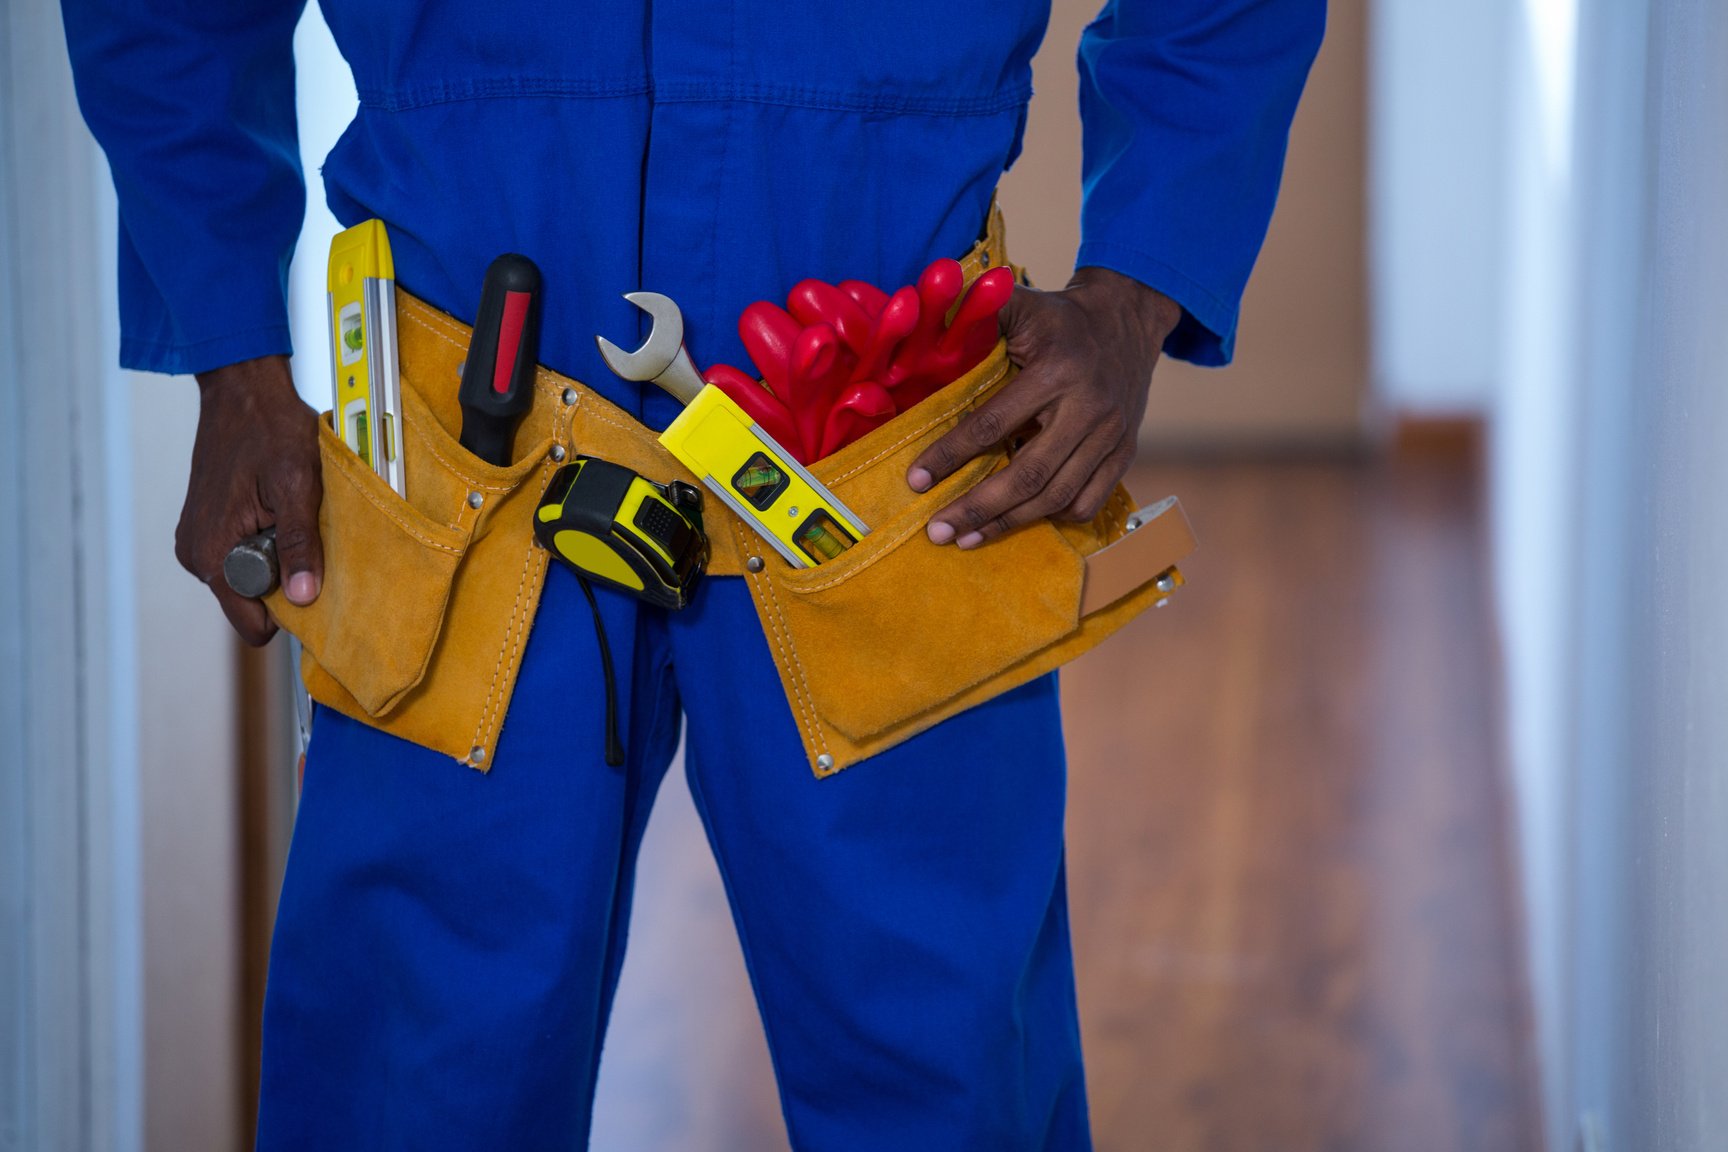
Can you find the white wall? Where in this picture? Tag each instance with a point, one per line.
(1437, 96)
(1534, 461)
(1650, 900)
(70, 1009)
(324, 101)
(186, 740)
(1610, 485)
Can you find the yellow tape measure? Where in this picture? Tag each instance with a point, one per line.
(608, 523)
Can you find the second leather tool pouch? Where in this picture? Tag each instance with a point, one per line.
(897, 633)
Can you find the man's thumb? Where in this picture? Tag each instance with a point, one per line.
(299, 551)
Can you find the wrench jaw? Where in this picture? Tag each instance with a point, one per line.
(662, 359)
(635, 365)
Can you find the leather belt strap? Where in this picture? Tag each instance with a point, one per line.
(580, 420)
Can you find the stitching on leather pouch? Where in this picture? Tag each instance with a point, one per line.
(959, 403)
(542, 376)
(435, 319)
(425, 438)
(783, 643)
(883, 545)
(800, 683)
(456, 466)
(394, 516)
(1121, 499)
(597, 414)
(882, 550)
(512, 640)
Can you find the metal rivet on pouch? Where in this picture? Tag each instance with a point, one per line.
(1165, 584)
(754, 563)
(557, 453)
(984, 259)
(477, 755)
(569, 397)
(1161, 603)
(825, 762)
(475, 499)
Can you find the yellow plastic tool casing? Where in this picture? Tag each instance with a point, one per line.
(761, 481)
(590, 553)
(605, 521)
(365, 378)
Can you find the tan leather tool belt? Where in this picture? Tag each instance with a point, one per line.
(446, 581)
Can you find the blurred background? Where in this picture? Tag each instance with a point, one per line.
(1404, 826)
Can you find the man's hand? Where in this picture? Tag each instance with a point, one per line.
(254, 464)
(1086, 355)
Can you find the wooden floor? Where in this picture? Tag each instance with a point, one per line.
(1291, 892)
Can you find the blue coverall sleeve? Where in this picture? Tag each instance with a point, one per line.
(1186, 108)
(194, 105)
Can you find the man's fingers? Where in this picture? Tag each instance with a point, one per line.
(978, 431)
(1022, 303)
(247, 617)
(1043, 477)
(1097, 490)
(299, 551)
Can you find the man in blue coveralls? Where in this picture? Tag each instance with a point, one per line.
(448, 942)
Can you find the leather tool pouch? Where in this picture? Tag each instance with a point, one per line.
(897, 634)
(428, 600)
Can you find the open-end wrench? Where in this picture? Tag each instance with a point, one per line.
(662, 359)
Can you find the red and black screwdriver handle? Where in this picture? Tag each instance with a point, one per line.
(498, 376)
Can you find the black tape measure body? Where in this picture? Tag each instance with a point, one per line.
(612, 525)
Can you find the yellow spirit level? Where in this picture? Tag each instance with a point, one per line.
(760, 480)
(610, 524)
(365, 376)
(740, 463)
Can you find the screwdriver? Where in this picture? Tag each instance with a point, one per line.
(498, 376)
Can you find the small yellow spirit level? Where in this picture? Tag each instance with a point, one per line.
(733, 455)
(365, 379)
(760, 480)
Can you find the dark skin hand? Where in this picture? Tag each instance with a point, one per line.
(254, 464)
(1086, 356)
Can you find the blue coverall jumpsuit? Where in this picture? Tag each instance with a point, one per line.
(448, 942)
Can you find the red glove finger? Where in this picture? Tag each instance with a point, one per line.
(814, 302)
(768, 334)
(871, 298)
(983, 301)
(814, 354)
(962, 345)
(831, 379)
(893, 324)
(938, 288)
(861, 408)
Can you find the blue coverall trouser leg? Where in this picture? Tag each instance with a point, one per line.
(448, 942)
